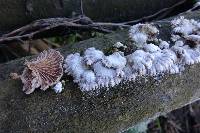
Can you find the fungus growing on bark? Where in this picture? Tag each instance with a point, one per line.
(58, 87)
(43, 71)
(94, 70)
(141, 33)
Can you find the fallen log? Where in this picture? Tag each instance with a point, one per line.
(110, 111)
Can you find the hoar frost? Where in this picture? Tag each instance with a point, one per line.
(58, 87)
(94, 70)
(141, 33)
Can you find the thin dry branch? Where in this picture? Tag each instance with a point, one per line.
(156, 16)
(80, 23)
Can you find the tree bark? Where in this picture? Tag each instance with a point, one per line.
(16, 13)
(109, 112)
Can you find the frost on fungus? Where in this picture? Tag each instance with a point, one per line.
(94, 70)
(58, 87)
(141, 33)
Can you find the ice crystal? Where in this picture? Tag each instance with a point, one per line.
(119, 45)
(75, 66)
(95, 70)
(58, 87)
(92, 55)
(116, 60)
(141, 33)
(164, 45)
(88, 81)
(106, 76)
(151, 48)
(184, 26)
(140, 61)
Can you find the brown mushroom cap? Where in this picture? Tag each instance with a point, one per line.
(43, 71)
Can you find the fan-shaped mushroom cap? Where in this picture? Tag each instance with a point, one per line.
(43, 71)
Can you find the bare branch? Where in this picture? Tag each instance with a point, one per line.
(80, 23)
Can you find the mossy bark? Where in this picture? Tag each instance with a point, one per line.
(111, 111)
(17, 13)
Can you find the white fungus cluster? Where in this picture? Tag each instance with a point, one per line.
(119, 45)
(141, 33)
(95, 70)
(58, 87)
(183, 27)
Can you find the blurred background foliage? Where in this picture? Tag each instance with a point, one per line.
(21, 48)
(75, 37)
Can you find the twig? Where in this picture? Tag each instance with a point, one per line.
(39, 26)
(196, 7)
(82, 13)
(157, 14)
(111, 24)
(79, 23)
